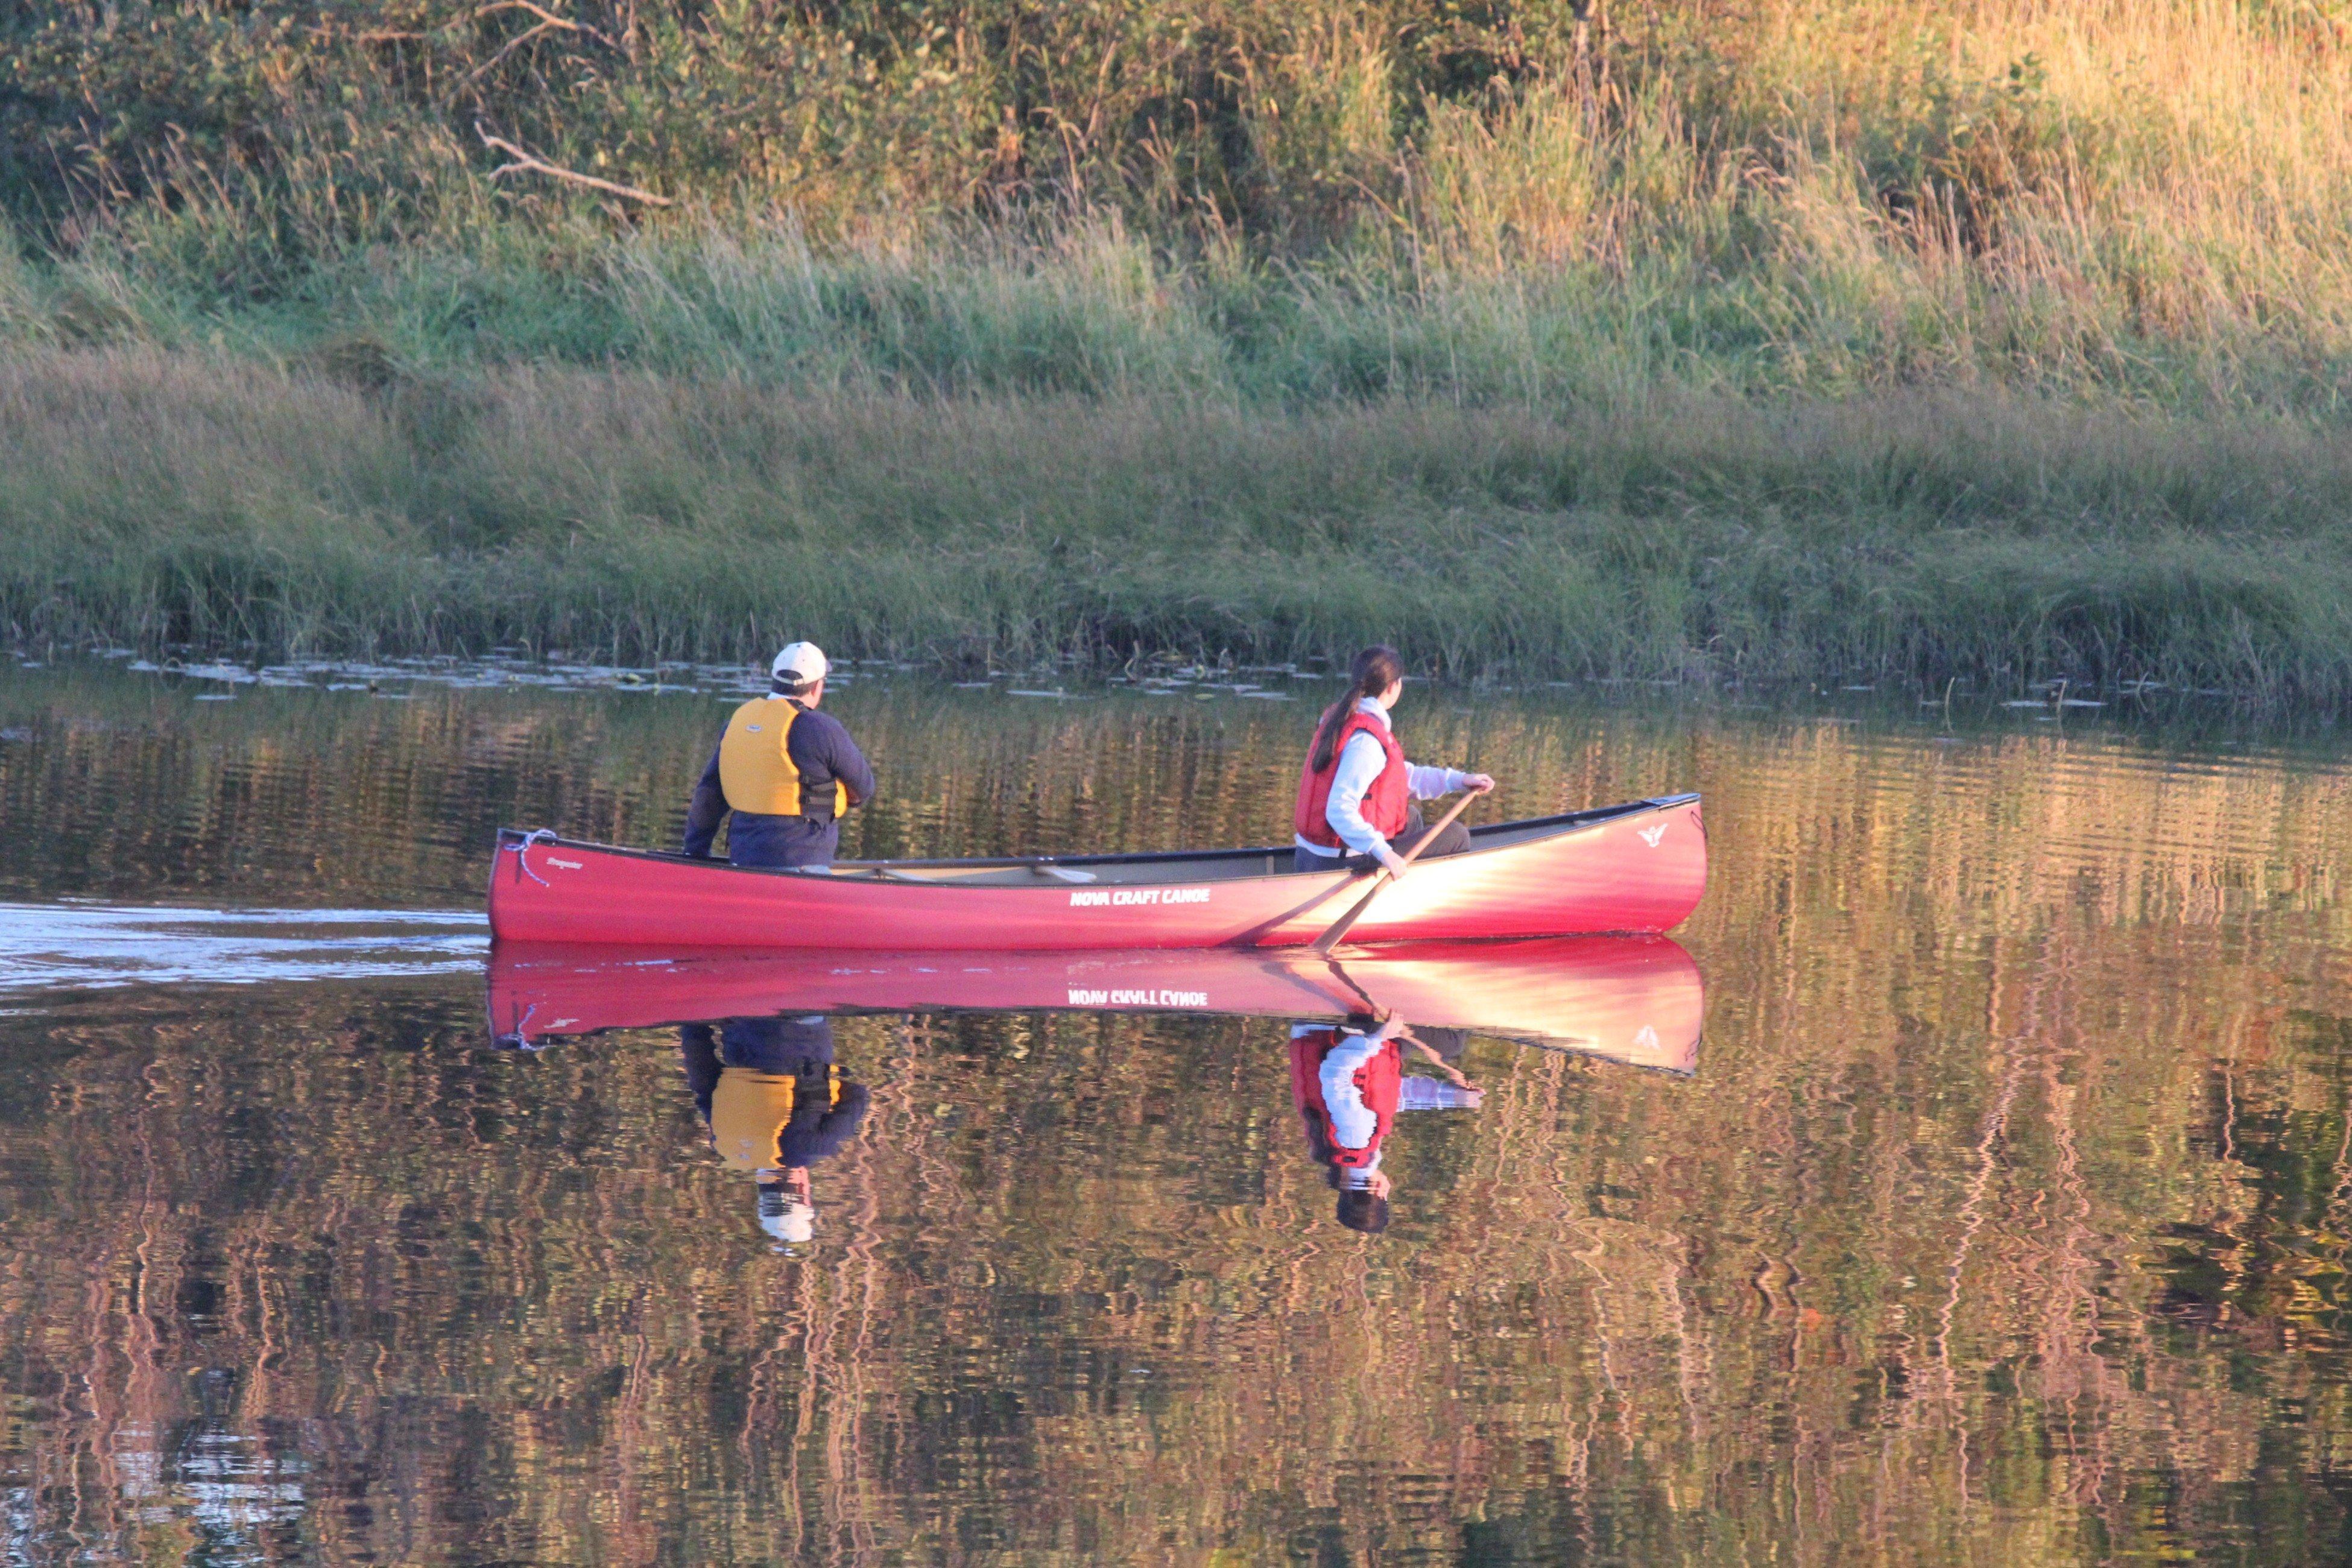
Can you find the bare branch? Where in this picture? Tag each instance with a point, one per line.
(547, 18)
(528, 163)
(511, 45)
(548, 21)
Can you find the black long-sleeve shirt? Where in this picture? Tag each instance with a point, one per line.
(821, 749)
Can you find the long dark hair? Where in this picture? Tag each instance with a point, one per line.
(1369, 673)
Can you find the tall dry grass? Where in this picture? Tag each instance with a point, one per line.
(2136, 197)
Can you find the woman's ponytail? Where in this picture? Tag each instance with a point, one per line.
(1369, 673)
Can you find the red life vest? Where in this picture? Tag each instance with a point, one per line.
(1381, 1081)
(1386, 804)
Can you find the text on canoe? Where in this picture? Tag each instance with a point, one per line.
(1110, 898)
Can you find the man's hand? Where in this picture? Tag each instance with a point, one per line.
(1392, 860)
(1478, 784)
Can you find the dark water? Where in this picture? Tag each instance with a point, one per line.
(2003, 1219)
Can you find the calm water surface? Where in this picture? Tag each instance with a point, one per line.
(2002, 1220)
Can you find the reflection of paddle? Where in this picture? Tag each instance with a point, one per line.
(1331, 938)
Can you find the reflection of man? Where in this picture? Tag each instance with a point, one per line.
(1348, 1081)
(775, 1104)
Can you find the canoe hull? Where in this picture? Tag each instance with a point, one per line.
(1636, 870)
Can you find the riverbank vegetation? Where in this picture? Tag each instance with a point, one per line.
(2001, 340)
(167, 499)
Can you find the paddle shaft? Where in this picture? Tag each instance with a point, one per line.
(1341, 927)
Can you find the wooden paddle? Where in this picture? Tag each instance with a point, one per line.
(1332, 938)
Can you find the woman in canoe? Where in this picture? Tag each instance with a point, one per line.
(1356, 793)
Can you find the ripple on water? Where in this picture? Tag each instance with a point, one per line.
(75, 946)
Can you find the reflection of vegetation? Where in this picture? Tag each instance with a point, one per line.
(1081, 1286)
(2015, 1171)
(322, 797)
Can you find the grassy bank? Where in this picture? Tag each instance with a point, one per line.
(175, 497)
(2006, 340)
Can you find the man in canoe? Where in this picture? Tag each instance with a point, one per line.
(1348, 1083)
(1356, 791)
(774, 1101)
(787, 772)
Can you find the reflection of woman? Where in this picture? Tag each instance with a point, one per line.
(775, 1104)
(1356, 791)
(1348, 1083)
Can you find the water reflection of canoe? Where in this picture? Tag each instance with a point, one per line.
(1623, 868)
(1634, 999)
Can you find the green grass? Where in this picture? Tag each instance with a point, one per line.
(175, 497)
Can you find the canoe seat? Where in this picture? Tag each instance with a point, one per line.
(890, 874)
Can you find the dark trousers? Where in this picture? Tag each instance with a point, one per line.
(1452, 841)
(756, 840)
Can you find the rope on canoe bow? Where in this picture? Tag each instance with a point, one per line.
(536, 836)
(522, 1036)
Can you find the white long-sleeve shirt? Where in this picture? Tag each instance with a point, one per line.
(1352, 1121)
(1361, 762)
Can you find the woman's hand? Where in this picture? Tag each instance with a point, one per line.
(1477, 784)
(1392, 860)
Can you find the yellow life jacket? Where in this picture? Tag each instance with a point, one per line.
(755, 769)
(747, 1112)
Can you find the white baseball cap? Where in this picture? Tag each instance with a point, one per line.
(802, 663)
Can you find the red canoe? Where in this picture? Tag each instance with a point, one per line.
(1635, 869)
(1631, 999)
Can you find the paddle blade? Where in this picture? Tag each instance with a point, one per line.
(1341, 927)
